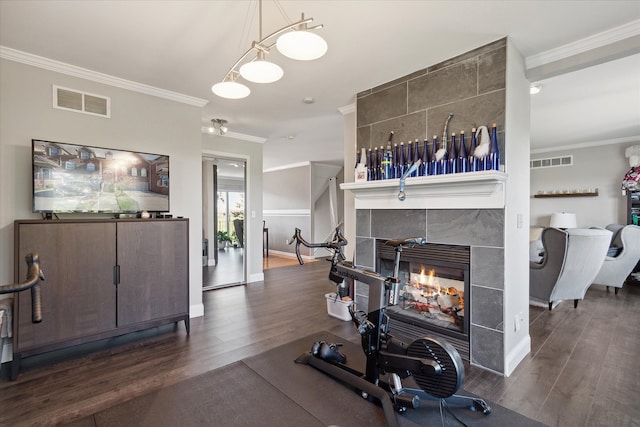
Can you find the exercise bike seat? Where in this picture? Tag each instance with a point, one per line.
(328, 352)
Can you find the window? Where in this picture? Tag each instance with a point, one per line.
(230, 207)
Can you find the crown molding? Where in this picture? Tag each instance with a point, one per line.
(235, 135)
(595, 41)
(83, 73)
(290, 166)
(589, 144)
(347, 109)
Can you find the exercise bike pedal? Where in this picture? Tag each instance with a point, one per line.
(482, 406)
(403, 401)
(328, 352)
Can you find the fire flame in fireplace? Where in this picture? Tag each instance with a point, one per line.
(425, 293)
(429, 285)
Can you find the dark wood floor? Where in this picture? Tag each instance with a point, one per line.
(584, 368)
(229, 270)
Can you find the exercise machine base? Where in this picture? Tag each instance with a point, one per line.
(409, 398)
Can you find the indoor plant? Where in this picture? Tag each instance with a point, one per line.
(223, 238)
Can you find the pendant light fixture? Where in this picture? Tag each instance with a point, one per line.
(301, 44)
(261, 71)
(231, 89)
(295, 41)
(218, 127)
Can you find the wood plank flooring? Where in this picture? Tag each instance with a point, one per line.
(583, 370)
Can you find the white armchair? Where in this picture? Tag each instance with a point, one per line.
(572, 258)
(616, 269)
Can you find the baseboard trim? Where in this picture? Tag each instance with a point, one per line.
(259, 277)
(290, 255)
(517, 355)
(196, 310)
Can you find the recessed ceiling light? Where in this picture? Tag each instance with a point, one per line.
(308, 100)
(535, 89)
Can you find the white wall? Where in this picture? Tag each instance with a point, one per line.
(138, 122)
(601, 167)
(287, 206)
(321, 213)
(350, 146)
(517, 343)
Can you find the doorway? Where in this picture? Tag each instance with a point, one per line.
(224, 210)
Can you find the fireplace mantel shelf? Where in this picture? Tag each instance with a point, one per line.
(471, 190)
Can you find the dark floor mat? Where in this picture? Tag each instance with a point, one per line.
(336, 404)
(270, 389)
(230, 396)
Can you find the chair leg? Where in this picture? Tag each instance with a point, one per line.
(607, 289)
(616, 291)
(550, 305)
(575, 303)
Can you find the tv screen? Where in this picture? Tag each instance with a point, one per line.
(79, 178)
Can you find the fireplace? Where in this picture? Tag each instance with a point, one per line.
(434, 297)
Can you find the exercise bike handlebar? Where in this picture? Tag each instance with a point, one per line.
(336, 244)
(34, 276)
(410, 241)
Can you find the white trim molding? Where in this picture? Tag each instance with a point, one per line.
(83, 73)
(286, 212)
(623, 140)
(196, 310)
(347, 109)
(235, 135)
(586, 44)
(470, 190)
(290, 166)
(517, 355)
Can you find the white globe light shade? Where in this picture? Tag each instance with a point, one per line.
(260, 71)
(231, 90)
(301, 45)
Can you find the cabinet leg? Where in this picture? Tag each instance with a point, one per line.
(15, 366)
(186, 324)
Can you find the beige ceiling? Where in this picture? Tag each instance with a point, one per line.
(186, 46)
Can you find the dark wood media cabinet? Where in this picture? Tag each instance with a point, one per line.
(103, 278)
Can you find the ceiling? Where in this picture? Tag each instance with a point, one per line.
(186, 46)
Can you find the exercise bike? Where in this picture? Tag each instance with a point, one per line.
(434, 364)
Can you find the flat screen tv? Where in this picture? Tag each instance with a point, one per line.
(69, 178)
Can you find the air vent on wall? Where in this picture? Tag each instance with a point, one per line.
(81, 102)
(551, 162)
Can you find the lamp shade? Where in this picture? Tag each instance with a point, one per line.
(231, 90)
(563, 220)
(261, 71)
(301, 45)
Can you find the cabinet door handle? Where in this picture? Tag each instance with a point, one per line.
(116, 274)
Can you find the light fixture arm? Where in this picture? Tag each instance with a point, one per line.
(294, 41)
(260, 46)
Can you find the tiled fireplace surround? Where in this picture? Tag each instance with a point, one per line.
(473, 87)
(481, 229)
